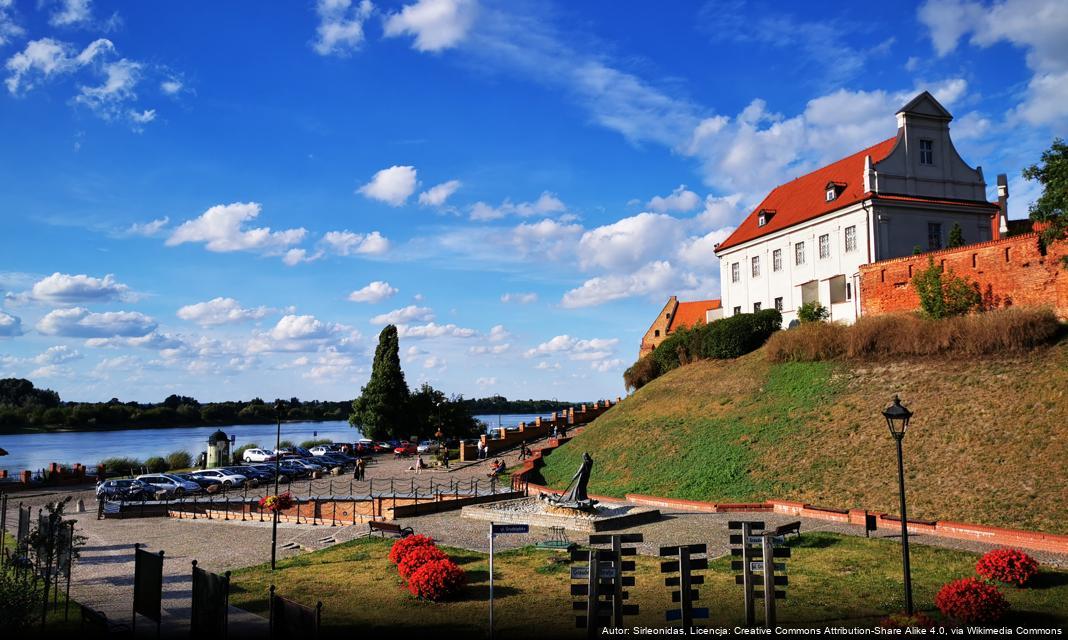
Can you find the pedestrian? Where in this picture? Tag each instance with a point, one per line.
(481, 450)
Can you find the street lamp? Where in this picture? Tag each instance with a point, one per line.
(279, 407)
(897, 420)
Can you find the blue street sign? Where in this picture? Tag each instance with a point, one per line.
(510, 528)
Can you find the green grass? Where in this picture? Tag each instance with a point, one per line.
(54, 622)
(988, 443)
(833, 580)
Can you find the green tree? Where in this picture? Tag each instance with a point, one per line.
(430, 410)
(1050, 207)
(812, 312)
(956, 236)
(944, 294)
(380, 411)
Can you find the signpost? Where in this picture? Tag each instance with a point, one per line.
(759, 570)
(686, 595)
(497, 530)
(604, 577)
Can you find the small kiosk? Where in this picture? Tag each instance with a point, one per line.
(218, 449)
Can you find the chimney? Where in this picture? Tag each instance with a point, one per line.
(1001, 224)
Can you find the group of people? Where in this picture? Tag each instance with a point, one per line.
(360, 470)
(496, 468)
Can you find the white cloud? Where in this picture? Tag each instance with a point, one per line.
(347, 243)
(152, 340)
(147, 229)
(108, 98)
(392, 185)
(699, 251)
(413, 353)
(61, 288)
(656, 279)
(405, 315)
(57, 354)
(434, 362)
(221, 229)
(294, 257)
(9, 29)
(604, 366)
(435, 24)
(340, 30)
(331, 365)
(494, 349)
(10, 326)
(630, 242)
(373, 293)
(51, 371)
(485, 382)
(433, 330)
(681, 199)
(437, 195)
(44, 58)
(547, 203)
(498, 333)
(305, 333)
(71, 13)
(78, 322)
(220, 311)
(520, 298)
(567, 344)
(545, 237)
(171, 86)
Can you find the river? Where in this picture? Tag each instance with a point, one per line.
(37, 450)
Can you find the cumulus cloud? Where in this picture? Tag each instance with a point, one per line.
(331, 365)
(659, 278)
(392, 186)
(57, 354)
(489, 349)
(545, 237)
(46, 58)
(219, 311)
(295, 333)
(61, 288)
(547, 203)
(108, 99)
(222, 229)
(567, 344)
(147, 229)
(434, 362)
(373, 293)
(520, 298)
(433, 330)
(347, 243)
(171, 86)
(10, 326)
(79, 322)
(71, 13)
(405, 315)
(681, 199)
(9, 28)
(486, 381)
(434, 24)
(498, 333)
(630, 242)
(165, 342)
(340, 30)
(437, 195)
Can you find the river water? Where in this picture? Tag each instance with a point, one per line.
(37, 450)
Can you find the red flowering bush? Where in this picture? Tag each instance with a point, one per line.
(417, 557)
(277, 503)
(1010, 566)
(971, 600)
(404, 545)
(437, 580)
(905, 621)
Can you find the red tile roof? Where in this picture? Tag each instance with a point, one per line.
(805, 198)
(688, 314)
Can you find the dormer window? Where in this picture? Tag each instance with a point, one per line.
(764, 216)
(831, 194)
(833, 190)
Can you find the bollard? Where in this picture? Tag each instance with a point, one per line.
(81, 505)
(353, 511)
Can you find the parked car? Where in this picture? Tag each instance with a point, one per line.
(308, 465)
(406, 449)
(285, 473)
(293, 469)
(302, 452)
(169, 484)
(209, 485)
(254, 477)
(226, 478)
(257, 455)
(428, 446)
(320, 450)
(122, 490)
(383, 447)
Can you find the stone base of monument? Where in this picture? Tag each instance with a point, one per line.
(607, 516)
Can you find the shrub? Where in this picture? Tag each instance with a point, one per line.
(944, 294)
(404, 545)
(417, 557)
(156, 464)
(738, 335)
(437, 580)
(956, 236)
(641, 373)
(121, 465)
(179, 460)
(812, 312)
(1009, 566)
(905, 621)
(808, 342)
(20, 597)
(970, 600)
(308, 444)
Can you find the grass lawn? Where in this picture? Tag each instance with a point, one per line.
(833, 580)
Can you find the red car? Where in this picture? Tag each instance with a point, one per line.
(382, 447)
(407, 449)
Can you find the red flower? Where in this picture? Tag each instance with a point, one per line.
(971, 600)
(437, 580)
(404, 545)
(1009, 566)
(417, 557)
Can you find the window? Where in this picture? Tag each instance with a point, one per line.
(832, 193)
(778, 304)
(737, 311)
(934, 236)
(849, 291)
(756, 266)
(825, 246)
(756, 307)
(735, 272)
(851, 239)
(926, 151)
(656, 334)
(762, 220)
(776, 260)
(799, 253)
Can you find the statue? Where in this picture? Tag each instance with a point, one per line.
(575, 497)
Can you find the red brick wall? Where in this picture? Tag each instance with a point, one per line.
(1009, 272)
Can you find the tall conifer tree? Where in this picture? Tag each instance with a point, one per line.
(381, 409)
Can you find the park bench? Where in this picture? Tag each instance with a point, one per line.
(96, 623)
(388, 527)
(788, 528)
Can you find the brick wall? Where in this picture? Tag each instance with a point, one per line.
(1011, 271)
(503, 438)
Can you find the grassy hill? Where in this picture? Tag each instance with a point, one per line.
(988, 443)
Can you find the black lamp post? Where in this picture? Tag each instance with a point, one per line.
(897, 420)
(279, 407)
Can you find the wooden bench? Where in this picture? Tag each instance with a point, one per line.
(384, 527)
(96, 623)
(788, 528)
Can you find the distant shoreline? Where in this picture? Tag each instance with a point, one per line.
(138, 427)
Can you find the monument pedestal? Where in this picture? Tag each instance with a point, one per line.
(607, 516)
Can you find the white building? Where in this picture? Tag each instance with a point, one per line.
(808, 237)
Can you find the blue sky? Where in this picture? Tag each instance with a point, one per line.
(228, 200)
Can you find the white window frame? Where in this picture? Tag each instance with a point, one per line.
(825, 246)
(736, 272)
(851, 238)
(755, 266)
(776, 260)
(799, 253)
